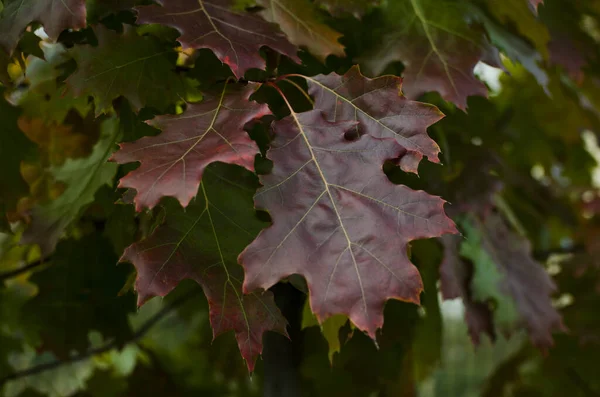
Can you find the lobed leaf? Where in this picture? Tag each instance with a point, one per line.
(234, 37)
(505, 272)
(380, 109)
(128, 65)
(299, 20)
(437, 47)
(172, 163)
(202, 243)
(54, 15)
(83, 177)
(338, 221)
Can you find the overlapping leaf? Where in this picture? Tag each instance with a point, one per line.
(506, 272)
(54, 15)
(44, 98)
(519, 14)
(381, 110)
(299, 20)
(202, 243)
(82, 177)
(234, 37)
(437, 47)
(338, 221)
(138, 68)
(355, 7)
(173, 162)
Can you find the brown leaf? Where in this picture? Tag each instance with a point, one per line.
(172, 163)
(202, 243)
(54, 15)
(381, 110)
(339, 222)
(234, 37)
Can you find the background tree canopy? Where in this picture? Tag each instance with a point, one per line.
(365, 197)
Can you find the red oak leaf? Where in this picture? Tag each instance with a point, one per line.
(172, 162)
(202, 243)
(438, 48)
(54, 15)
(338, 221)
(380, 108)
(234, 37)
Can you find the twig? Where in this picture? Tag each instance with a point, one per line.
(17, 272)
(105, 348)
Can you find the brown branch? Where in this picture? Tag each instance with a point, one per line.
(139, 334)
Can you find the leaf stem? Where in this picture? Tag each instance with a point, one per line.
(292, 82)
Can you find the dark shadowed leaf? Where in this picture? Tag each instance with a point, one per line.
(235, 37)
(300, 21)
(437, 47)
(339, 222)
(381, 110)
(14, 147)
(54, 15)
(202, 243)
(172, 162)
(355, 7)
(82, 177)
(128, 65)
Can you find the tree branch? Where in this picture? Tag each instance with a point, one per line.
(139, 334)
(17, 272)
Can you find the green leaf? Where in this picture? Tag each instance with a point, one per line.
(330, 328)
(300, 21)
(138, 68)
(43, 98)
(526, 23)
(83, 177)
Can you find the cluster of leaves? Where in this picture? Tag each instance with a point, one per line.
(239, 145)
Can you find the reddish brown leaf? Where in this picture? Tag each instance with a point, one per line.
(54, 15)
(339, 222)
(172, 162)
(568, 53)
(455, 282)
(202, 243)
(521, 280)
(381, 110)
(234, 37)
(437, 47)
